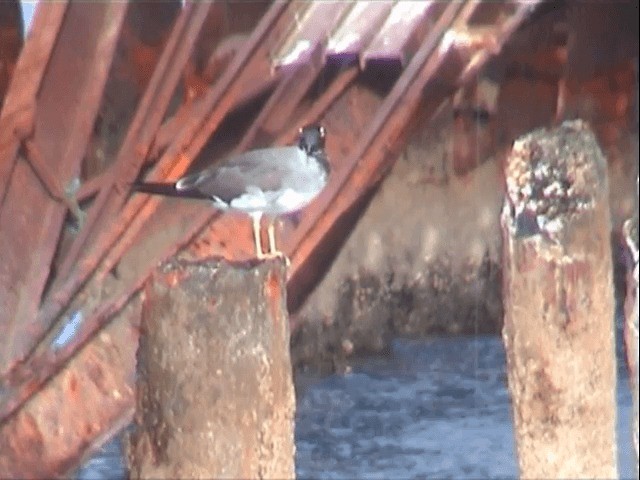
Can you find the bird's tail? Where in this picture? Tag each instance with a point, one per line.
(156, 188)
(168, 190)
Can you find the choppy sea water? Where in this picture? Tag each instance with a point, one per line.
(436, 408)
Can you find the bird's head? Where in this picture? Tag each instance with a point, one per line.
(311, 139)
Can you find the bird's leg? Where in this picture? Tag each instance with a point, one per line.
(272, 239)
(256, 217)
(273, 250)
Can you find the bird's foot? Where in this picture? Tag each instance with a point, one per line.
(274, 252)
(272, 255)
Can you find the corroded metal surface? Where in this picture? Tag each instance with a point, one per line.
(149, 114)
(357, 28)
(80, 409)
(382, 30)
(277, 112)
(433, 64)
(125, 238)
(309, 27)
(17, 110)
(67, 103)
(45, 361)
(11, 40)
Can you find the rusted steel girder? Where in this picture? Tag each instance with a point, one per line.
(13, 397)
(46, 361)
(173, 163)
(373, 154)
(19, 104)
(82, 407)
(437, 61)
(67, 104)
(132, 154)
(141, 132)
(11, 41)
(281, 104)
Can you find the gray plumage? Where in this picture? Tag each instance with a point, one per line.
(269, 180)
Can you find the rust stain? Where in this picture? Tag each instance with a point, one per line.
(27, 76)
(174, 277)
(273, 290)
(147, 119)
(72, 385)
(67, 106)
(32, 441)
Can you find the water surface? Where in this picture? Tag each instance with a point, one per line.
(435, 408)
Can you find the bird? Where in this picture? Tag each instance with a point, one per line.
(262, 182)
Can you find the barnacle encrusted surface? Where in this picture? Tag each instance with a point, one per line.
(553, 174)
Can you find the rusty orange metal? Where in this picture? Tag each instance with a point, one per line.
(44, 360)
(167, 165)
(148, 117)
(59, 426)
(281, 104)
(19, 103)
(151, 112)
(11, 40)
(68, 99)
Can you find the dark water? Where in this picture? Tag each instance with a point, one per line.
(434, 408)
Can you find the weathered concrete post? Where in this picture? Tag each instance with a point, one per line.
(214, 391)
(559, 305)
(630, 232)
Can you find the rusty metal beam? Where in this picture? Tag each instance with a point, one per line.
(45, 360)
(140, 135)
(311, 24)
(171, 127)
(30, 220)
(132, 153)
(389, 41)
(370, 156)
(322, 104)
(358, 26)
(213, 242)
(214, 230)
(430, 70)
(174, 162)
(11, 39)
(60, 426)
(283, 102)
(19, 104)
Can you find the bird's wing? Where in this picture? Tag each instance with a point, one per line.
(263, 169)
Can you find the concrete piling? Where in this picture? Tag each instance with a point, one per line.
(214, 390)
(559, 305)
(630, 234)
